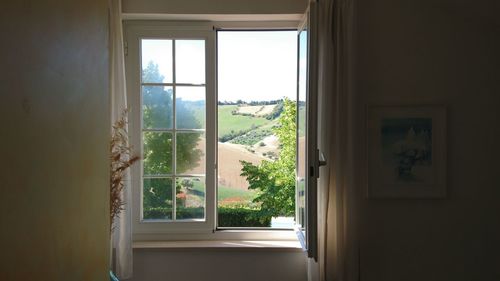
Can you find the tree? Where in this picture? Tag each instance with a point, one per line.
(157, 113)
(275, 180)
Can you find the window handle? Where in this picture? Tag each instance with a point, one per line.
(321, 159)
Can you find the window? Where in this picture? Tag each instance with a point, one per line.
(173, 129)
(171, 82)
(179, 121)
(256, 141)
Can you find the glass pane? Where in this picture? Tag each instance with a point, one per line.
(301, 129)
(190, 153)
(190, 107)
(157, 158)
(157, 107)
(157, 199)
(190, 61)
(190, 196)
(156, 60)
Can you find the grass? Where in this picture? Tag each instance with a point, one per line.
(228, 121)
(227, 193)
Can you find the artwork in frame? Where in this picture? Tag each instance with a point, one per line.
(406, 147)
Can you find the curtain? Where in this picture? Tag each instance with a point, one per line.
(122, 234)
(337, 249)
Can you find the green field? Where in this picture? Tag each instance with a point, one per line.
(226, 193)
(229, 122)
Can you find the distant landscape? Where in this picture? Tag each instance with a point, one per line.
(247, 145)
(244, 133)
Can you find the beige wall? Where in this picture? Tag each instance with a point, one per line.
(435, 52)
(215, 6)
(219, 265)
(54, 140)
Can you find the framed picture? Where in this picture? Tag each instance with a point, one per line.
(406, 148)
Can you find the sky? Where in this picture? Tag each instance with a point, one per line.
(252, 65)
(257, 65)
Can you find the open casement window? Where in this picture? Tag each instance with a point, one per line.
(307, 153)
(170, 87)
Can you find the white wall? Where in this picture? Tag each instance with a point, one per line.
(218, 265)
(54, 140)
(435, 52)
(215, 6)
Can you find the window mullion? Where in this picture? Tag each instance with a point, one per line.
(174, 136)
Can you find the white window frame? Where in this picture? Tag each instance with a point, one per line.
(186, 230)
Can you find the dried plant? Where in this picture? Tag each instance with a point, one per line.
(121, 160)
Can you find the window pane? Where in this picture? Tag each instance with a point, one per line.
(190, 153)
(157, 107)
(156, 61)
(190, 61)
(157, 199)
(190, 196)
(301, 129)
(157, 158)
(190, 107)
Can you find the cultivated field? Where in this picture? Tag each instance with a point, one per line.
(256, 110)
(249, 138)
(230, 166)
(228, 122)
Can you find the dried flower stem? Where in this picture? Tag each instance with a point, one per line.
(121, 160)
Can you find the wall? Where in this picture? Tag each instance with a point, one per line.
(54, 140)
(435, 52)
(218, 265)
(215, 6)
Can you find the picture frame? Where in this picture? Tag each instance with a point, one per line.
(406, 151)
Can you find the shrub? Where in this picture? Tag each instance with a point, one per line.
(277, 110)
(275, 180)
(252, 137)
(228, 217)
(166, 213)
(242, 217)
(233, 134)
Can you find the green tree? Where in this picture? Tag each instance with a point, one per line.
(157, 113)
(275, 180)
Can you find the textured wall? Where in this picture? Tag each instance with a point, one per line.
(435, 52)
(215, 6)
(54, 110)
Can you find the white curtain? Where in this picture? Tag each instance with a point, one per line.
(122, 235)
(337, 239)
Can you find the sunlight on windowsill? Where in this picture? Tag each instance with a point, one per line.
(221, 244)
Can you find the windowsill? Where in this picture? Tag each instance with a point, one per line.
(236, 235)
(274, 245)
